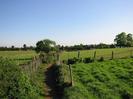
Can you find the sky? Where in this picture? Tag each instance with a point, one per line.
(67, 22)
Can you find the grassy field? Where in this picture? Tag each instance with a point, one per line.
(112, 79)
(118, 53)
(19, 56)
(25, 56)
(106, 53)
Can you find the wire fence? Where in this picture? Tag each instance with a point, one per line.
(32, 65)
(36, 61)
(98, 54)
(107, 56)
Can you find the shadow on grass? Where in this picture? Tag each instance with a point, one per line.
(51, 81)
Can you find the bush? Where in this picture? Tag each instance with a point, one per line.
(125, 95)
(88, 60)
(131, 56)
(63, 76)
(71, 61)
(14, 84)
(74, 60)
(64, 61)
(101, 59)
(80, 60)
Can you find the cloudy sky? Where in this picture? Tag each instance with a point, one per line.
(67, 22)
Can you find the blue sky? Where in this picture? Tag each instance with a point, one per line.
(67, 22)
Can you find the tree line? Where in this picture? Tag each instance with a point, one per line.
(13, 48)
(121, 40)
(86, 47)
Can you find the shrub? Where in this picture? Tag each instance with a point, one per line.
(88, 60)
(64, 61)
(101, 59)
(63, 76)
(71, 61)
(131, 56)
(14, 84)
(80, 60)
(126, 95)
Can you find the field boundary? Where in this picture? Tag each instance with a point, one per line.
(32, 65)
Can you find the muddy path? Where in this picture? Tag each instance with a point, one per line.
(52, 91)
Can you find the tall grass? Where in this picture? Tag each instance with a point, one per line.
(17, 84)
(111, 79)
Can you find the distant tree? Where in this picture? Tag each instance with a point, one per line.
(102, 45)
(121, 39)
(81, 47)
(77, 47)
(31, 48)
(112, 46)
(129, 40)
(62, 48)
(12, 47)
(24, 47)
(45, 46)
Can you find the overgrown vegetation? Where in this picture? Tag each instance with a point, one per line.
(63, 76)
(112, 79)
(16, 84)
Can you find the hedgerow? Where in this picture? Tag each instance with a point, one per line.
(14, 84)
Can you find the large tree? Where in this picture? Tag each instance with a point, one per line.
(121, 39)
(129, 40)
(45, 46)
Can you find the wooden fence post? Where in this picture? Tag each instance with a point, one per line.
(29, 67)
(33, 64)
(112, 57)
(71, 77)
(94, 55)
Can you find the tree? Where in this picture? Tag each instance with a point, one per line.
(45, 46)
(12, 47)
(129, 40)
(24, 47)
(61, 48)
(121, 39)
(102, 45)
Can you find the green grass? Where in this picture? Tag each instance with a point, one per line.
(112, 79)
(16, 84)
(19, 56)
(106, 53)
(37, 78)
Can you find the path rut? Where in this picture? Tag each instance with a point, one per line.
(51, 89)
